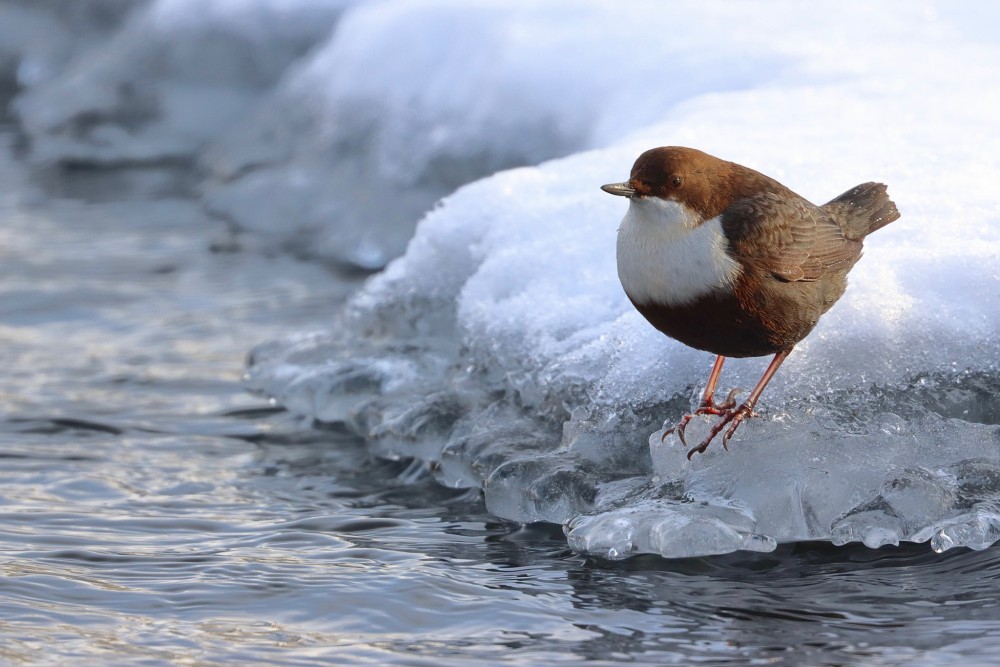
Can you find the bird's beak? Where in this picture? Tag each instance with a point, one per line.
(620, 189)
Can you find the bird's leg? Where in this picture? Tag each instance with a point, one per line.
(735, 417)
(707, 406)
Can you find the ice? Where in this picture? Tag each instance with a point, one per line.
(501, 349)
(176, 75)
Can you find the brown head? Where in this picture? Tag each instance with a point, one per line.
(705, 184)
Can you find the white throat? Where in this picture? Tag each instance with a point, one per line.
(665, 256)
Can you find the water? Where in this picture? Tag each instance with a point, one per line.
(152, 512)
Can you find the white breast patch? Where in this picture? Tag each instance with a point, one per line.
(665, 256)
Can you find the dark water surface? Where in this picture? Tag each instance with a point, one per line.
(153, 513)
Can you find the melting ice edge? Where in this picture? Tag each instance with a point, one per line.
(918, 462)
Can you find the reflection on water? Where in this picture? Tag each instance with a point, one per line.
(152, 512)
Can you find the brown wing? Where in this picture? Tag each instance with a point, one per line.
(788, 236)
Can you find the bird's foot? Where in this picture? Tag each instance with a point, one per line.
(732, 418)
(710, 407)
(706, 407)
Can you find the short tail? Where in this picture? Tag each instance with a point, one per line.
(862, 210)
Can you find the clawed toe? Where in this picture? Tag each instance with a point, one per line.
(732, 418)
(710, 407)
(707, 407)
(729, 414)
(735, 421)
(679, 428)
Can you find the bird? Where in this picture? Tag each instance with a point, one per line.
(727, 260)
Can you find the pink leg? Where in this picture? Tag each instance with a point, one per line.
(707, 406)
(735, 417)
(713, 379)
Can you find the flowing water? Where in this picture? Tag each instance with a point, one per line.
(152, 512)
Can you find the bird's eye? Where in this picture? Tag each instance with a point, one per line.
(676, 181)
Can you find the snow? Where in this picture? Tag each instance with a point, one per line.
(407, 101)
(500, 347)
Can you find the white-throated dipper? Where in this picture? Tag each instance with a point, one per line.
(727, 260)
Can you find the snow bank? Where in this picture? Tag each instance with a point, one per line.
(501, 348)
(409, 100)
(176, 75)
(38, 37)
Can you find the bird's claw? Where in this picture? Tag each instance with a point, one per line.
(732, 418)
(710, 407)
(737, 419)
(679, 429)
(707, 407)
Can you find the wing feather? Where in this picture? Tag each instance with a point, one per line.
(789, 237)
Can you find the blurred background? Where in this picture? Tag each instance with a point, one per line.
(314, 351)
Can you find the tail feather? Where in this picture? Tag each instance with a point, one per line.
(862, 210)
